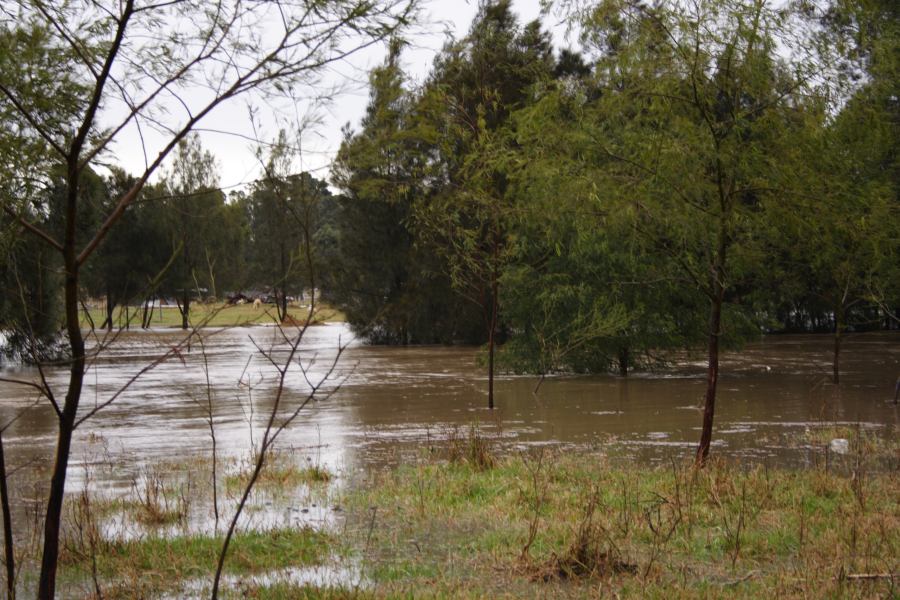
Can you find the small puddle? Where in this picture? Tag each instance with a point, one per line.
(336, 575)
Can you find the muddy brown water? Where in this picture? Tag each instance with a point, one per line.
(394, 401)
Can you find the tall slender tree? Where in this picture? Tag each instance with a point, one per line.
(283, 209)
(192, 211)
(477, 83)
(695, 111)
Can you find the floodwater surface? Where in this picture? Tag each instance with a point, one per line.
(382, 405)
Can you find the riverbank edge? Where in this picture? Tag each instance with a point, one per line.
(463, 522)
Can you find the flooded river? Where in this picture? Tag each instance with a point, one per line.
(393, 401)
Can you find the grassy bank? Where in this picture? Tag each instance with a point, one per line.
(213, 315)
(465, 523)
(563, 525)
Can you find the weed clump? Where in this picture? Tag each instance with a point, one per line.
(280, 473)
(474, 449)
(157, 504)
(591, 553)
(315, 474)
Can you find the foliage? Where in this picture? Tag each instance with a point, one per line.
(392, 288)
(287, 217)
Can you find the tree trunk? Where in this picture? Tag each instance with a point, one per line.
(491, 369)
(9, 553)
(185, 309)
(712, 377)
(110, 306)
(538, 385)
(87, 315)
(53, 519)
(717, 299)
(492, 334)
(623, 361)
(838, 332)
(281, 300)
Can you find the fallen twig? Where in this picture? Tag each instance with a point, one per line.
(868, 576)
(742, 579)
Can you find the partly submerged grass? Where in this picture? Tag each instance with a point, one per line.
(151, 565)
(862, 441)
(553, 524)
(249, 551)
(282, 473)
(280, 476)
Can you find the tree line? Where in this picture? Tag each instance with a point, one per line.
(693, 175)
(689, 176)
(183, 239)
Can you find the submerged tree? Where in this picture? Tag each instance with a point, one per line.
(838, 246)
(586, 292)
(695, 115)
(29, 172)
(852, 165)
(477, 83)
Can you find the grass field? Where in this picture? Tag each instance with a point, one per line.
(211, 315)
(547, 523)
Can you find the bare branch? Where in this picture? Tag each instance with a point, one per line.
(91, 111)
(34, 229)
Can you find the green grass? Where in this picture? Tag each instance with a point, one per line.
(671, 532)
(213, 315)
(250, 551)
(280, 476)
(154, 564)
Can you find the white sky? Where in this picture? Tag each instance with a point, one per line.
(234, 152)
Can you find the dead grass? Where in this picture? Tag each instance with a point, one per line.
(591, 554)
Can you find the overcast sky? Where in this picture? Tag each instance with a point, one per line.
(226, 131)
